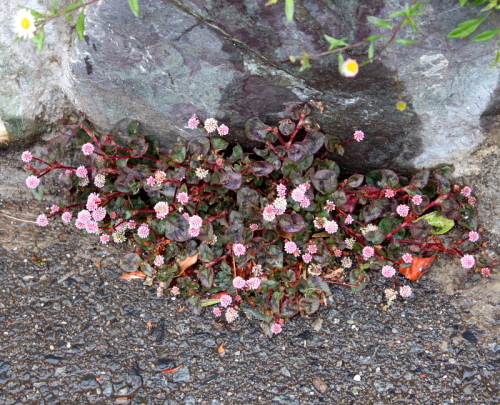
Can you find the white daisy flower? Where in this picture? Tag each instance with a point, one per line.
(24, 24)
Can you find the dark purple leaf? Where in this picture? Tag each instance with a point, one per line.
(261, 168)
(372, 211)
(139, 146)
(325, 181)
(389, 179)
(235, 233)
(313, 143)
(256, 130)
(295, 152)
(231, 179)
(355, 180)
(421, 179)
(444, 185)
(130, 262)
(295, 110)
(309, 305)
(206, 276)
(176, 227)
(318, 283)
(289, 308)
(286, 127)
(292, 223)
(199, 146)
(339, 198)
(248, 200)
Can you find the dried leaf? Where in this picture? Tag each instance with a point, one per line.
(187, 262)
(320, 385)
(173, 369)
(419, 266)
(283, 234)
(135, 274)
(221, 349)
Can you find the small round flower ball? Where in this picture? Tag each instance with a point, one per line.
(368, 252)
(473, 236)
(269, 213)
(194, 232)
(87, 149)
(32, 182)
(417, 199)
(239, 282)
(183, 198)
(485, 272)
(42, 220)
(388, 271)
(312, 249)
(195, 221)
(210, 125)
(359, 136)
(253, 283)
(307, 258)
(223, 130)
(331, 227)
(193, 122)
(276, 328)
(81, 172)
(403, 210)
(175, 291)
(159, 260)
(104, 239)
(226, 300)
(26, 156)
(468, 261)
(66, 217)
(466, 191)
(389, 193)
(239, 249)
(217, 312)
(349, 220)
(407, 258)
(143, 231)
(405, 291)
(290, 247)
(231, 315)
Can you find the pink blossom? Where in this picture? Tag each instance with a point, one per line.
(239, 249)
(473, 236)
(79, 224)
(84, 181)
(88, 149)
(104, 239)
(231, 315)
(210, 125)
(281, 189)
(253, 283)
(100, 158)
(389, 193)
(183, 198)
(269, 213)
(131, 224)
(304, 203)
(193, 122)
(151, 181)
(92, 227)
(100, 180)
(99, 214)
(254, 227)
(26, 156)
(93, 201)
(405, 291)
(219, 161)
(368, 251)
(239, 282)
(276, 328)
(466, 191)
(485, 272)
(226, 300)
(307, 258)
(122, 227)
(32, 182)
(331, 227)
(468, 261)
(84, 216)
(194, 232)
(312, 249)
(330, 206)
(81, 172)
(161, 208)
(337, 252)
(407, 258)
(388, 271)
(298, 194)
(403, 210)
(349, 219)
(54, 208)
(290, 247)
(223, 130)
(217, 312)
(359, 136)
(113, 215)
(417, 199)
(159, 260)
(471, 200)
(304, 186)
(195, 221)
(42, 220)
(143, 231)
(175, 291)
(66, 217)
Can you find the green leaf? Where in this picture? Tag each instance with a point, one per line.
(219, 143)
(397, 14)
(436, 220)
(486, 35)
(134, 6)
(340, 58)
(130, 262)
(206, 254)
(289, 9)
(206, 276)
(466, 28)
(17, 40)
(318, 283)
(335, 42)
(360, 278)
(374, 37)
(54, 6)
(292, 223)
(371, 51)
(325, 181)
(80, 25)
(331, 142)
(74, 5)
(37, 192)
(309, 305)
(378, 22)
(406, 41)
(271, 2)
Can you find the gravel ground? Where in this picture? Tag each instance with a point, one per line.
(73, 332)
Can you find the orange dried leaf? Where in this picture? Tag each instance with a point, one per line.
(283, 234)
(135, 274)
(187, 262)
(173, 369)
(221, 349)
(419, 266)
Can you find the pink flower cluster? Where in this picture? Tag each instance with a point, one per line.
(291, 247)
(231, 315)
(195, 223)
(388, 271)
(193, 122)
(81, 172)
(161, 208)
(466, 191)
(468, 261)
(331, 227)
(276, 328)
(42, 220)
(32, 182)
(405, 291)
(183, 198)
(239, 249)
(88, 149)
(473, 236)
(368, 252)
(407, 258)
(27, 156)
(389, 193)
(417, 199)
(143, 231)
(403, 210)
(299, 195)
(93, 201)
(359, 136)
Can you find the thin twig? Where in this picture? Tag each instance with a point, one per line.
(17, 219)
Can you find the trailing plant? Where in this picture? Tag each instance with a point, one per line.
(264, 231)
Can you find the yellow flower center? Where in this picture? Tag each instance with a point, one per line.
(25, 23)
(352, 66)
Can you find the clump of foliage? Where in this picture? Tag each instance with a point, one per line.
(264, 231)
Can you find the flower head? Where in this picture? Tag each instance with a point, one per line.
(193, 122)
(337, 252)
(226, 300)
(359, 136)
(349, 219)
(194, 232)
(26, 156)
(312, 249)
(231, 315)
(281, 189)
(88, 149)
(314, 269)
(84, 216)
(160, 175)
(485, 272)
(42, 220)
(24, 24)
(403, 210)
(407, 258)
(210, 125)
(350, 68)
(253, 283)
(100, 180)
(161, 208)
(417, 199)
(81, 172)
(201, 173)
(466, 191)
(319, 222)
(307, 258)
(143, 231)
(389, 193)
(331, 227)
(32, 181)
(468, 261)
(346, 262)
(349, 243)
(368, 252)
(98, 214)
(104, 239)
(388, 271)
(195, 221)
(54, 208)
(183, 198)
(269, 213)
(473, 236)
(223, 130)
(330, 206)
(66, 217)
(405, 291)
(92, 227)
(257, 270)
(291, 247)
(239, 249)
(175, 291)
(276, 328)
(254, 227)
(217, 312)
(93, 201)
(305, 202)
(298, 194)
(280, 203)
(390, 294)
(159, 260)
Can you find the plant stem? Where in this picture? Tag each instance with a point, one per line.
(17, 219)
(42, 23)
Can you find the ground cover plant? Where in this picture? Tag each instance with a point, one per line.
(264, 231)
